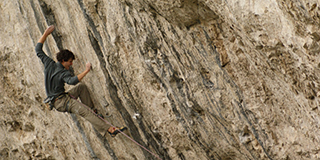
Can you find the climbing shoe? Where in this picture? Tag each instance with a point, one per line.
(116, 131)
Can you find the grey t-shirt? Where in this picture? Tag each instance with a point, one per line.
(55, 75)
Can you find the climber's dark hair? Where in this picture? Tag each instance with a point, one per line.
(65, 55)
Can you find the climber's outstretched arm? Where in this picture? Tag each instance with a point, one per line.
(84, 73)
(46, 33)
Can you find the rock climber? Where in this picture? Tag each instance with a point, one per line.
(61, 72)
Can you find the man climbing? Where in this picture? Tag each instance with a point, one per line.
(57, 74)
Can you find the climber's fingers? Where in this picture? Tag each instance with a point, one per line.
(50, 29)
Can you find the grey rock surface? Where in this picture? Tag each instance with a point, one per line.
(191, 79)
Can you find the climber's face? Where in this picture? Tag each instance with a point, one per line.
(67, 64)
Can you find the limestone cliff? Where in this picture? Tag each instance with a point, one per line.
(191, 79)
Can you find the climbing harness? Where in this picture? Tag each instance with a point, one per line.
(119, 130)
(50, 100)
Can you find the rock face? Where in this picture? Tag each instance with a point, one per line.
(192, 79)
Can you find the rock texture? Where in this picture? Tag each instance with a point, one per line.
(192, 79)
